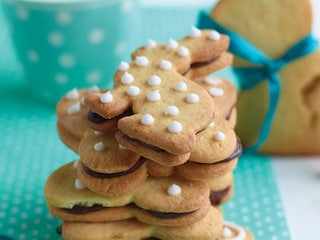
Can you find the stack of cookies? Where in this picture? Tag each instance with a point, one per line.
(156, 152)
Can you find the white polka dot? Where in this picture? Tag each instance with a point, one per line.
(123, 66)
(126, 6)
(120, 49)
(127, 78)
(106, 97)
(96, 36)
(78, 184)
(165, 65)
(154, 80)
(147, 119)
(56, 39)
(72, 94)
(133, 91)
(142, 61)
(150, 44)
(214, 35)
(61, 78)
(216, 92)
(172, 44)
(212, 80)
(192, 98)
(22, 14)
(66, 60)
(174, 190)
(171, 111)
(183, 51)
(33, 56)
(154, 96)
(175, 127)
(74, 108)
(219, 136)
(181, 87)
(63, 18)
(99, 146)
(195, 32)
(94, 77)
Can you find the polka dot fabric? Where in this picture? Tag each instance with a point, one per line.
(54, 59)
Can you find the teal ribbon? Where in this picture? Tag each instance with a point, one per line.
(265, 68)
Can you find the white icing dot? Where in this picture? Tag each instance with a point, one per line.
(33, 56)
(212, 124)
(75, 163)
(212, 80)
(165, 65)
(241, 233)
(147, 119)
(172, 44)
(142, 61)
(106, 97)
(121, 147)
(175, 127)
(195, 32)
(97, 133)
(174, 190)
(127, 78)
(133, 91)
(172, 111)
(98, 146)
(226, 232)
(56, 39)
(123, 66)
(150, 44)
(66, 60)
(96, 36)
(216, 92)
(192, 98)
(73, 94)
(183, 51)
(78, 184)
(74, 108)
(94, 89)
(181, 86)
(220, 136)
(154, 80)
(214, 35)
(154, 96)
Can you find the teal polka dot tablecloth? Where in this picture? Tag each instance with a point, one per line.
(31, 150)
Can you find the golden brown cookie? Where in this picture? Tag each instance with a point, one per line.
(295, 127)
(209, 227)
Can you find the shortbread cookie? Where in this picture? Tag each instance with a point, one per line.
(209, 227)
(165, 105)
(178, 202)
(295, 127)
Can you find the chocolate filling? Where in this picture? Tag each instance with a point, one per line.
(96, 118)
(216, 197)
(236, 153)
(200, 64)
(228, 117)
(78, 209)
(113, 175)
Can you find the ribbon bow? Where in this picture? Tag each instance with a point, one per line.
(265, 68)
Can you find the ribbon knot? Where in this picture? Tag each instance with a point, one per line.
(264, 68)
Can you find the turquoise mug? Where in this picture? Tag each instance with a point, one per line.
(65, 44)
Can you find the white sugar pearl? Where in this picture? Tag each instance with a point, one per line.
(94, 89)
(211, 80)
(133, 91)
(181, 87)
(72, 94)
(226, 232)
(127, 78)
(220, 136)
(106, 97)
(74, 108)
(216, 92)
(154, 80)
(174, 190)
(147, 119)
(154, 96)
(214, 35)
(172, 111)
(195, 32)
(150, 44)
(175, 127)
(183, 51)
(193, 98)
(99, 146)
(142, 61)
(172, 44)
(79, 185)
(165, 65)
(123, 66)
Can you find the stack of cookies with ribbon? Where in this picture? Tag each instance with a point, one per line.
(156, 153)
